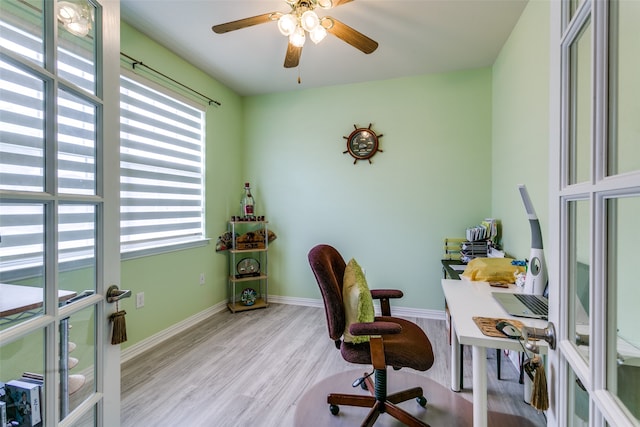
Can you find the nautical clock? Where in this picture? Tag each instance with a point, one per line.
(362, 144)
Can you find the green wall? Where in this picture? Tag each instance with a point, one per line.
(454, 147)
(432, 180)
(170, 281)
(520, 146)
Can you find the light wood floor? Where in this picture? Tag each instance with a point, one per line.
(250, 368)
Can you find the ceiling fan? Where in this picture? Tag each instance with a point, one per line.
(301, 21)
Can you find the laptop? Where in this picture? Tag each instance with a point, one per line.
(524, 305)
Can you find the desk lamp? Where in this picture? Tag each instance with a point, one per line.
(536, 278)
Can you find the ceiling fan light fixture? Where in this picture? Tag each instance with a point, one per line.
(75, 18)
(318, 34)
(297, 38)
(79, 28)
(301, 22)
(309, 20)
(325, 4)
(326, 23)
(287, 24)
(67, 11)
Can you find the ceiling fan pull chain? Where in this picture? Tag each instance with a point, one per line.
(299, 79)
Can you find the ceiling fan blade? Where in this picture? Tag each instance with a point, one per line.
(353, 37)
(292, 58)
(243, 23)
(337, 3)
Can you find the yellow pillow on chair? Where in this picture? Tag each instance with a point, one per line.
(358, 304)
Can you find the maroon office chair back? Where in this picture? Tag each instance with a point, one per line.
(328, 267)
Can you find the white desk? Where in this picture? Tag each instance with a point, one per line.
(16, 300)
(466, 300)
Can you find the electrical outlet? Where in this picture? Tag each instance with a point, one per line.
(140, 300)
(202, 278)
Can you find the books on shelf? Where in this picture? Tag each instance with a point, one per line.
(487, 230)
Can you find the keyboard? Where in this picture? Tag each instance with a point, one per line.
(534, 304)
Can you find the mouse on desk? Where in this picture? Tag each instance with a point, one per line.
(508, 329)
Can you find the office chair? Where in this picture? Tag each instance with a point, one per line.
(394, 342)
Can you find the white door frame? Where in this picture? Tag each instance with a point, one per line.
(604, 409)
(101, 406)
(108, 383)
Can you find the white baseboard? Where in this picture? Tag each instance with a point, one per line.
(173, 330)
(306, 302)
(418, 312)
(155, 339)
(397, 311)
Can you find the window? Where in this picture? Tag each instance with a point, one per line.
(44, 161)
(161, 169)
(162, 152)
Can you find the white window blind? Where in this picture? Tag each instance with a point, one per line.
(162, 152)
(161, 161)
(24, 161)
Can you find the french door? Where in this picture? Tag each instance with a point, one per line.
(59, 211)
(595, 210)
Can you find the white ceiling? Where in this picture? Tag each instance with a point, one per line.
(415, 37)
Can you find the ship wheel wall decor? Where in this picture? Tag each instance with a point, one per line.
(362, 144)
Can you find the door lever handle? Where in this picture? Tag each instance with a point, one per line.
(114, 294)
(547, 334)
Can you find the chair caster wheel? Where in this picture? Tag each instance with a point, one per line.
(334, 409)
(422, 401)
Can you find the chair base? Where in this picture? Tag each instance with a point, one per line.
(380, 404)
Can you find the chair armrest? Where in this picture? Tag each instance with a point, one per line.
(384, 295)
(375, 328)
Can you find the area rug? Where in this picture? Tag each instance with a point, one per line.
(444, 407)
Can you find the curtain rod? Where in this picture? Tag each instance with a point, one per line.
(142, 64)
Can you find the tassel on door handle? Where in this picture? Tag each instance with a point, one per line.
(119, 332)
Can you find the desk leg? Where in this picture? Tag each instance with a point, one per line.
(479, 386)
(64, 367)
(456, 358)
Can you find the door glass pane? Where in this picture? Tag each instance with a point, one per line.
(21, 28)
(87, 420)
(21, 262)
(76, 49)
(21, 130)
(76, 145)
(21, 379)
(77, 359)
(579, 416)
(579, 262)
(624, 110)
(624, 294)
(580, 106)
(573, 6)
(77, 252)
